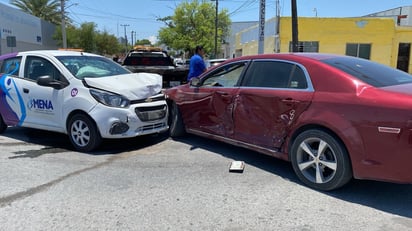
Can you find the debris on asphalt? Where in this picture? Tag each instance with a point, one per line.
(237, 166)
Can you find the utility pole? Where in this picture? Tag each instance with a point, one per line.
(216, 25)
(132, 43)
(135, 37)
(316, 11)
(63, 24)
(125, 36)
(295, 40)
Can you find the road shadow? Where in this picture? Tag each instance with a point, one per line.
(58, 142)
(388, 197)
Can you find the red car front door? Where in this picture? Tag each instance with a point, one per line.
(209, 107)
(209, 110)
(272, 96)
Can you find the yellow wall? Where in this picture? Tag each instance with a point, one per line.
(334, 33)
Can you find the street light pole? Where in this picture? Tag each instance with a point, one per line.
(63, 14)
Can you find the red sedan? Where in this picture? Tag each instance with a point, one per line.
(333, 117)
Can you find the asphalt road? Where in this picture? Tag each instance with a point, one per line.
(157, 183)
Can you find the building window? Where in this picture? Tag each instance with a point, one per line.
(361, 50)
(308, 46)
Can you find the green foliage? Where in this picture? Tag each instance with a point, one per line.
(48, 10)
(71, 36)
(106, 43)
(143, 42)
(193, 23)
(87, 38)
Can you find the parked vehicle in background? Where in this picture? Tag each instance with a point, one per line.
(333, 117)
(86, 96)
(179, 62)
(213, 62)
(187, 63)
(155, 60)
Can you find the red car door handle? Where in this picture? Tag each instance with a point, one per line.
(290, 100)
(222, 93)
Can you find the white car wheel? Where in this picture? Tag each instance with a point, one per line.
(83, 133)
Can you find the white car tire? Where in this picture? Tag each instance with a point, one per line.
(83, 133)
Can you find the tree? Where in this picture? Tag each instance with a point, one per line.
(193, 23)
(87, 38)
(47, 10)
(107, 44)
(71, 33)
(143, 42)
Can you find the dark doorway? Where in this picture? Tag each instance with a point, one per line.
(404, 53)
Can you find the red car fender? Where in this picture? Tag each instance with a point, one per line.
(341, 127)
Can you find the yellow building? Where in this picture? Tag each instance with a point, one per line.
(377, 39)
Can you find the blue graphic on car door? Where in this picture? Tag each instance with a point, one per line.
(12, 105)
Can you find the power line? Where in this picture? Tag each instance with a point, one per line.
(106, 13)
(245, 4)
(83, 12)
(244, 7)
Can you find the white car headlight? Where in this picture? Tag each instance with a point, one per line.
(109, 99)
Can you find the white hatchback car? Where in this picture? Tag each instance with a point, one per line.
(87, 96)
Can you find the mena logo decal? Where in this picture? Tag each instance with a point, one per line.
(42, 104)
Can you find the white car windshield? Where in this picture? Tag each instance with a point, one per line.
(91, 66)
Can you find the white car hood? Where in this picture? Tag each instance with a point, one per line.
(133, 86)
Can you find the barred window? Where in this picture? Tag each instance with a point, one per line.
(306, 46)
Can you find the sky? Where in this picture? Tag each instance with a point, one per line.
(139, 16)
